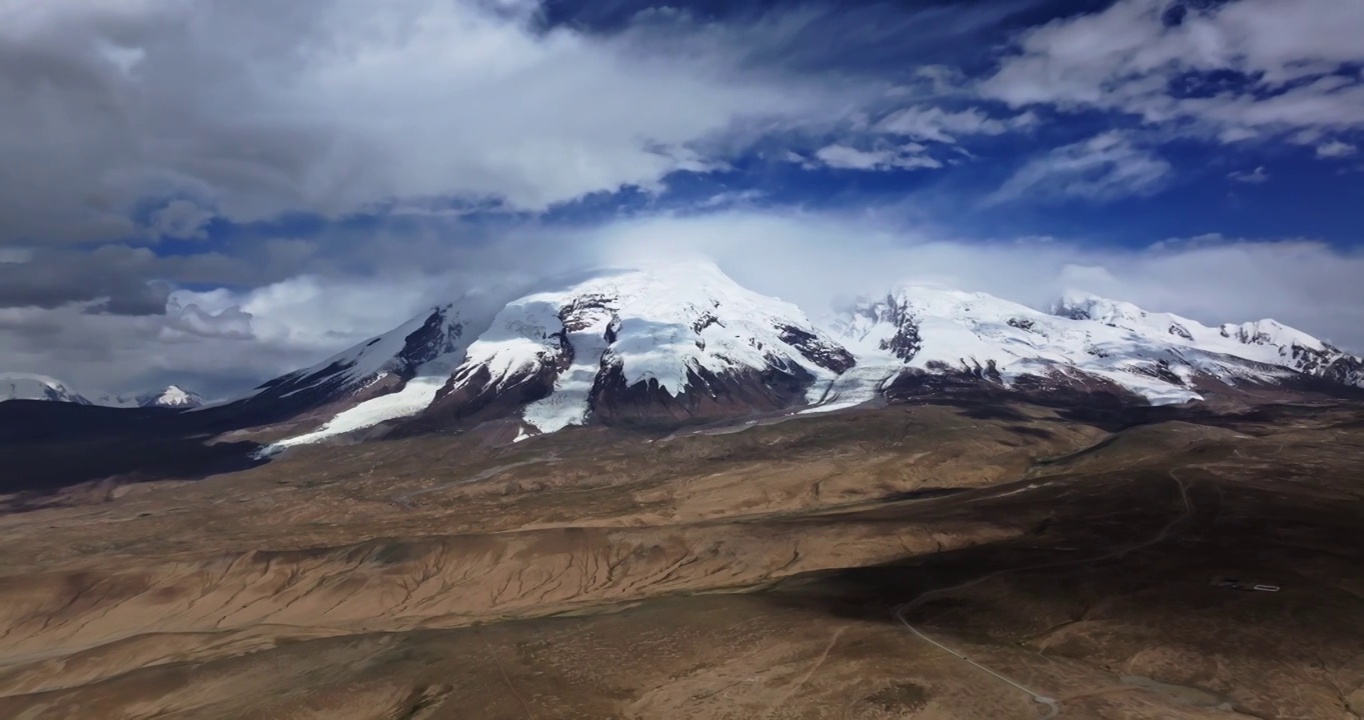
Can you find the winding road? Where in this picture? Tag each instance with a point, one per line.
(1053, 706)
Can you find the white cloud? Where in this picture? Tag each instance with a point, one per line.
(310, 314)
(1125, 57)
(230, 323)
(1335, 149)
(1236, 134)
(334, 105)
(1104, 167)
(937, 125)
(1253, 177)
(900, 139)
(904, 157)
(731, 198)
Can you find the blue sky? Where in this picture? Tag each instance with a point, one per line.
(214, 192)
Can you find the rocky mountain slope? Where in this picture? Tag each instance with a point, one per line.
(396, 374)
(688, 344)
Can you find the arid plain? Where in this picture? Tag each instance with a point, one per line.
(913, 561)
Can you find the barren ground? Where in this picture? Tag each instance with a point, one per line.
(594, 574)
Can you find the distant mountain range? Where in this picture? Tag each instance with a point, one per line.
(688, 344)
(23, 386)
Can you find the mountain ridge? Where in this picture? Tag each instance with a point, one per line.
(685, 343)
(688, 344)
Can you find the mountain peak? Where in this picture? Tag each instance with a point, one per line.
(676, 330)
(173, 396)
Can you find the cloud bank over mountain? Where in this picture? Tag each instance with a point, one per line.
(209, 192)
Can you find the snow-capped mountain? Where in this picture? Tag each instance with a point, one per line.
(687, 343)
(677, 344)
(173, 396)
(25, 386)
(668, 345)
(1264, 341)
(925, 336)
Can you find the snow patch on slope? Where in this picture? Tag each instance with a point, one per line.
(570, 403)
(414, 397)
(372, 360)
(428, 347)
(859, 386)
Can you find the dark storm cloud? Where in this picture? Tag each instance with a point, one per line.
(124, 280)
(114, 275)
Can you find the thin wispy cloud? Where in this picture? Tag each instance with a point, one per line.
(1335, 149)
(904, 157)
(1103, 168)
(1252, 177)
(1249, 68)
